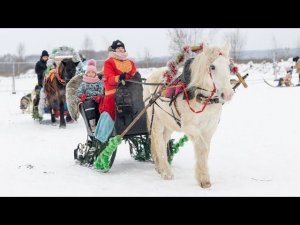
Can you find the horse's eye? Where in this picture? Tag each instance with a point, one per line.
(212, 67)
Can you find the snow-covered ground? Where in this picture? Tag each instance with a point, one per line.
(255, 151)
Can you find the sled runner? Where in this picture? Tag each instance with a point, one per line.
(275, 85)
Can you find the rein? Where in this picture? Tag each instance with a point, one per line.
(144, 83)
(60, 79)
(208, 100)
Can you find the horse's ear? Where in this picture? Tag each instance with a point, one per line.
(226, 48)
(76, 64)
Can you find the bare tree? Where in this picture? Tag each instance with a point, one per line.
(212, 33)
(274, 46)
(298, 42)
(147, 57)
(279, 53)
(286, 53)
(177, 39)
(20, 52)
(274, 43)
(87, 43)
(237, 41)
(87, 47)
(182, 36)
(106, 42)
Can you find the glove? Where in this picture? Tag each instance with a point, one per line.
(100, 76)
(122, 76)
(83, 97)
(97, 98)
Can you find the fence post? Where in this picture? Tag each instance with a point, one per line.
(13, 80)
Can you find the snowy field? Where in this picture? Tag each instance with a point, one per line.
(255, 150)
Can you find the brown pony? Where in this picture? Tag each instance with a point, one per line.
(55, 89)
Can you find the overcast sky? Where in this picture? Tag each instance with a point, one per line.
(135, 39)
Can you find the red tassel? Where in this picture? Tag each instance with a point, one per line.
(234, 70)
(172, 67)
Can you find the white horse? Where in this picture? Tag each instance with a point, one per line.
(209, 71)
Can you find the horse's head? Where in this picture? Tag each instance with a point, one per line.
(67, 69)
(211, 68)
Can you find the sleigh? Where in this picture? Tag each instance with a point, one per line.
(131, 124)
(129, 104)
(130, 120)
(56, 76)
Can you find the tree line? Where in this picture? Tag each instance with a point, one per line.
(178, 37)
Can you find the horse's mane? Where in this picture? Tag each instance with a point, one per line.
(200, 67)
(61, 68)
(51, 85)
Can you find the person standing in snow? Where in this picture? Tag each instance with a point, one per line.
(297, 61)
(40, 68)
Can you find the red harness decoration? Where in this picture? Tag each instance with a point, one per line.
(174, 90)
(172, 65)
(206, 101)
(60, 79)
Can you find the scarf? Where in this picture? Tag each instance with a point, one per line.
(90, 80)
(118, 55)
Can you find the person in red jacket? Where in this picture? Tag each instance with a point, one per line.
(116, 68)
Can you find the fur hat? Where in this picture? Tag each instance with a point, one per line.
(116, 44)
(45, 53)
(91, 66)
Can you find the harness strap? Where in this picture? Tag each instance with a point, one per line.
(206, 101)
(144, 83)
(175, 105)
(60, 79)
(200, 98)
(177, 120)
(152, 116)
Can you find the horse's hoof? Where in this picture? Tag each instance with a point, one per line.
(167, 176)
(62, 126)
(205, 184)
(69, 120)
(157, 170)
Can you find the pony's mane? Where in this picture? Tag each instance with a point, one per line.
(200, 67)
(61, 68)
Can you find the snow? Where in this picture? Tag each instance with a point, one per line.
(254, 151)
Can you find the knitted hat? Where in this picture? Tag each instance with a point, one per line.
(116, 44)
(45, 53)
(91, 66)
